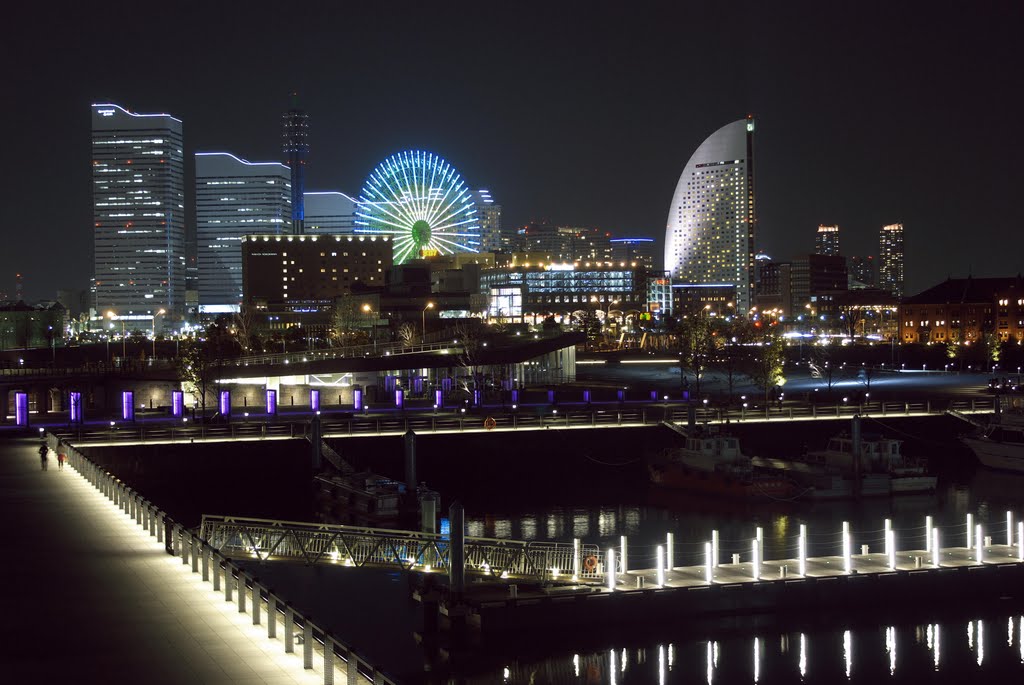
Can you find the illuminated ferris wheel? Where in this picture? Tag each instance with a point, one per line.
(420, 200)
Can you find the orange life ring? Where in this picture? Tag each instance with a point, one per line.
(490, 423)
(590, 563)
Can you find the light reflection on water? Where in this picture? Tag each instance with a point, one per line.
(867, 655)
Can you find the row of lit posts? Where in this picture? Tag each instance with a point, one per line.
(616, 560)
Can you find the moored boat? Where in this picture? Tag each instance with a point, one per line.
(712, 463)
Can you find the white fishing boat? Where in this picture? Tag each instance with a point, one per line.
(999, 443)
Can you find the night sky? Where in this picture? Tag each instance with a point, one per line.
(584, 114)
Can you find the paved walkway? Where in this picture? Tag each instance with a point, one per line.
(89, 597)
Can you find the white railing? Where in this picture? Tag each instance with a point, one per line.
(263, 605)
(358, 546)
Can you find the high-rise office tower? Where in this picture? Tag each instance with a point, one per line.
(890, 259)
(489, 214)
(329, 212)
(138, 198)
(296, 147)
(630, 250)
(826, 241)
(712, 219)
(864, 271)
(234, 197)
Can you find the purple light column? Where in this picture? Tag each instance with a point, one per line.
(177, 403)
(21, 408)
(127, 405)
(399, 398)
(357, 399)
(272, 402)
(76, 406)
(314, 400)
(225, 403)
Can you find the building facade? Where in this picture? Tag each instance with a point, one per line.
(329, 212)
(234, 198)
(489, 214)
(540, 290)
(890, 259)
(863, 272)
(965, 311)
(639, 250)
(290, 277)
(712, 220)
(138, 196)
(826, 240)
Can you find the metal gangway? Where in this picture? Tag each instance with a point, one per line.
(358, 546)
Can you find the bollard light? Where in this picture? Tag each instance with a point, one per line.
(979, 543)
(623, 554)
(709, 565)
(890, 548)
(801, 549)
(927, 533)
(755, 566)
(609, 558)
(1020, 544)
(935, 547)
(670, 544)
(661, 566)
(847, 544)
(970, 531)
(888, 529)
(714, 548)
(760, 542)
(1009, 529)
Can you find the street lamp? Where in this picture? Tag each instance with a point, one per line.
(430, 305)
(124, 349)
(159, 313)
(373, 329)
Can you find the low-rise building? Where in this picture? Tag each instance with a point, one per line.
(23, 325)
(964, 311)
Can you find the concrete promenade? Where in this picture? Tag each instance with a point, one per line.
(90, 597)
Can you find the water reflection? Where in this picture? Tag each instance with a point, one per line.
(871, 652)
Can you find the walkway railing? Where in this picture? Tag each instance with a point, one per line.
(224, 575)
(352, 352)
(265, 539)
(524, 419)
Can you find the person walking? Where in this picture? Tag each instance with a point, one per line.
(43, 451)
(61, 457)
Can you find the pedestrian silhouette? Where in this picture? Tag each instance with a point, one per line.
(43, 450)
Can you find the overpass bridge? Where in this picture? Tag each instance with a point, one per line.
(610, 415)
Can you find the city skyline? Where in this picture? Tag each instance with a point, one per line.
(518, 131)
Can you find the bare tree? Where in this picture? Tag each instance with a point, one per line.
(348, 322)
(407, 333)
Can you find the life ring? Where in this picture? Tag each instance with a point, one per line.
(490, 423)
(590, 563)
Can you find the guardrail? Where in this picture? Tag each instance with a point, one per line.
(315, 642)
(524, 419)
(354, 352)
(407, 550)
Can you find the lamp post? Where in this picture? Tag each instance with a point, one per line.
(159, 313)
(367, 309)
(124, 348)
(430, 305)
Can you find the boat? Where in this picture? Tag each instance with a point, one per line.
(999, 443)
(884, 470)
(710, 462)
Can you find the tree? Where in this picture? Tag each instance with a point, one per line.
(993, 348)
(766, 367)
(407, 333)
(734, 350)
(349, 322)
(201, 360)
(696, 343)
(245, 323)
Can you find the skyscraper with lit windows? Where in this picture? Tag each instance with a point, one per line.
(890, 259)
(138, 198)
(826, 241)
(709, 238)
(490, 220)
(234, 197)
